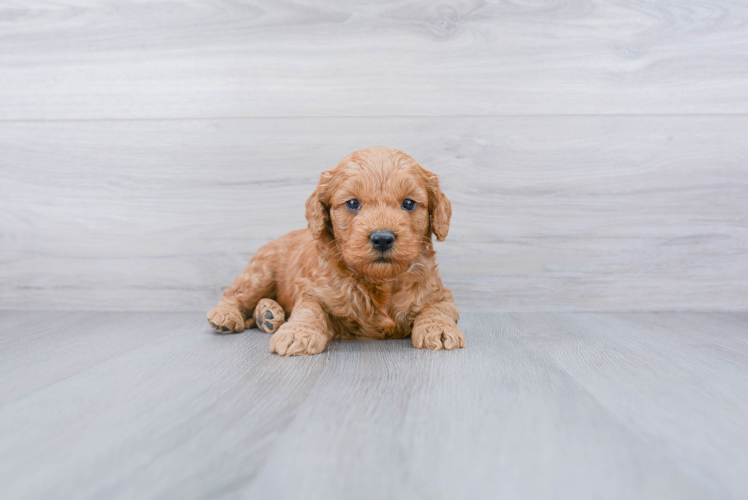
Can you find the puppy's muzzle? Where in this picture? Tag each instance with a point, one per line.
(382, 240)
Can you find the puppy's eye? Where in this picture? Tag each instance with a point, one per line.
(352, 205)
(409, 205)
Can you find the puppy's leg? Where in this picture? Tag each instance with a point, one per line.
(436, 327)
(233, 313)
(269, 315)
(307, 331)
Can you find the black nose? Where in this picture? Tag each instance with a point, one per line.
(382, 240)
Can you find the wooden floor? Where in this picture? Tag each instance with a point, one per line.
(539, 405)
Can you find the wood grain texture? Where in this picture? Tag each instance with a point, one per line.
(550, 213)
(85, 59)
(539, 405)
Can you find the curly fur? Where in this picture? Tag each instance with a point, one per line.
(330, 282)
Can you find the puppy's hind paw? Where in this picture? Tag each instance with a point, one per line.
(269, 315)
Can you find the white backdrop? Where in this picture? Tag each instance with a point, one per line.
(595, 153)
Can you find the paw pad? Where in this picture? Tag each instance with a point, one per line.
(220, 328)
(269, 315)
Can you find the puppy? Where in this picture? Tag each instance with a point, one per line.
(364, 268)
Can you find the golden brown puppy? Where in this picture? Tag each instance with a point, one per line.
(364, 268)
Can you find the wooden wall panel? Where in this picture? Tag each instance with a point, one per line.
(550, 213)
(85, 59)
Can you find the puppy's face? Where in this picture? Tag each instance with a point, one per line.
(379, 208)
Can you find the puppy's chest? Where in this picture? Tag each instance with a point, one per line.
(380, 315)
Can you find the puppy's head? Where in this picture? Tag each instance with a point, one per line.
(379, 208)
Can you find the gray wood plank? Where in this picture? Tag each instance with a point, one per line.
(539, 405)
(662, 386)
(188, 397)
(85, 59)
(35, 340)
(550, 213)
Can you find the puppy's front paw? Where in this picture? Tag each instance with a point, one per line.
(297, 339)
(436, 334)
(269, 315)
(226, 319)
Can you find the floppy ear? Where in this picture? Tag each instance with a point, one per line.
(317, 210)
(440, 209)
